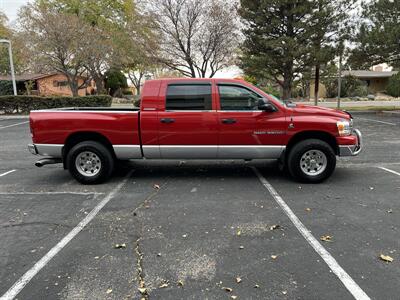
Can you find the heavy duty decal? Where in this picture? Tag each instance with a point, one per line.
(269, 132)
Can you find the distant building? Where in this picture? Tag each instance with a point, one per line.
(54, 84)
(376, 80)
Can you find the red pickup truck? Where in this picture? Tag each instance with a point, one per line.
(195, 119)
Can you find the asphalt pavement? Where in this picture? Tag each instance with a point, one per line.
(202, 229)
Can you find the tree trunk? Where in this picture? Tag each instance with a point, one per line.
(99, 85)
(74, 88)
(287, 84)
(316, 90)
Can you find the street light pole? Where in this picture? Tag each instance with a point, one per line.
(11, 65)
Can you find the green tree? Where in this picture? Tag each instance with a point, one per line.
(276, 39)
(329, 23)
(284, 38)
(393, 88)
(115, 81)
(378, 37)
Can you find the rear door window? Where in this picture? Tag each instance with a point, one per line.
(189, 97)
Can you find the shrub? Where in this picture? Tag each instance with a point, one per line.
(6, 88)
(352, 87)
(24, 104)
(393, 88)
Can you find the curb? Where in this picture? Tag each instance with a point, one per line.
(394, 112)
(10, 117)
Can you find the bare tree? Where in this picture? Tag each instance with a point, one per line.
(198, 37)
(58, 42)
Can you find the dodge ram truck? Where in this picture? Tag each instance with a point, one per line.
(195, 119)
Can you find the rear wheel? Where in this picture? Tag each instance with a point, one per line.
(311, 161)
(90, 162)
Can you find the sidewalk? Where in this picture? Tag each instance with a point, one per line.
(358, 104)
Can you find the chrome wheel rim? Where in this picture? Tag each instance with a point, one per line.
(88, 163)
(313, 162)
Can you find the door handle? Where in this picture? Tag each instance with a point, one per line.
(228, 121)
(167, 121)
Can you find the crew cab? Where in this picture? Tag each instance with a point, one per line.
(195, 119)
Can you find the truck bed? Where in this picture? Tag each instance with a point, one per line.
(54, 128)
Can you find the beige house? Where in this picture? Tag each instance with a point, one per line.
(375, 80)
(54, 84)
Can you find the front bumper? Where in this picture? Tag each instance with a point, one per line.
(352, 150)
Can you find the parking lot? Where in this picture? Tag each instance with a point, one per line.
(202, 229)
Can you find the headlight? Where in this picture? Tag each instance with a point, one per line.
(345, 127)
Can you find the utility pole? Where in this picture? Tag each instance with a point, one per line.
(11, 65)
(341, 51)
(339, 81)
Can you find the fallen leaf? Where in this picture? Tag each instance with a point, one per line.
(326, 238)
(284, 292)
(184, 236)
(274, 256)
(120, 246)
(180, 283)
(239, 232)
(164, 285)
(143, 291)
(238, 280)
(274, 227)
(109, 291)
(233, 297)
(386, 258)
(308, 209)
(241, 247)
(227, 289)
(156, 186)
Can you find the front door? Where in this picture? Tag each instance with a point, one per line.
(188, 125)
(245, 131)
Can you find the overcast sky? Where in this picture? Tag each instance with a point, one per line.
(10, 7)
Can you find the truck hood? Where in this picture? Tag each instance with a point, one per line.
(302, 109)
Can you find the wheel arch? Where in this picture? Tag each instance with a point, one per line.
(82, 136)
(312, 134)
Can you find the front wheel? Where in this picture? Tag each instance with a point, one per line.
(311, 161)
(90, 162)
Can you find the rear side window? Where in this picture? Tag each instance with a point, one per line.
(189, 97)
(238, 98)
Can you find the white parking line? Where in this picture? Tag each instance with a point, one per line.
(345, 278)
(8, 126)
(388, 170)
(24, 280)
(52, 193)
(372, 120)
(6, 173)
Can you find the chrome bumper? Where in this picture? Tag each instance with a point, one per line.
(51, 150)
(32, 149)
(352, 150)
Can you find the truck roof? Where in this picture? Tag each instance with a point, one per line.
(197, 79)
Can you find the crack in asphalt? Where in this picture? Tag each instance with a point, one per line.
(138, 252)
(8, 225)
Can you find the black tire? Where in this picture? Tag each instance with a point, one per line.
(102, 170)
(296, 166)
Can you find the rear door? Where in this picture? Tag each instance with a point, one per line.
(245, 131)
(188, 124)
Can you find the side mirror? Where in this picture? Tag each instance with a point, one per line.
(266, 106)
